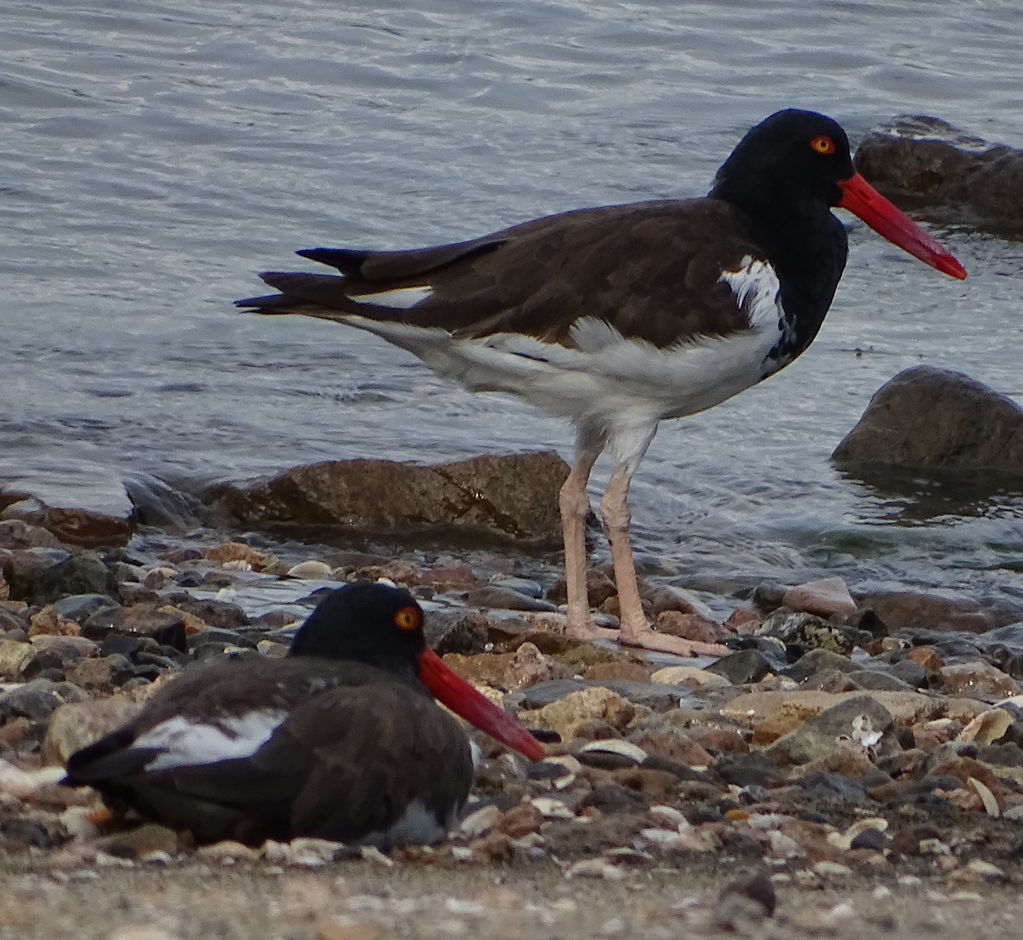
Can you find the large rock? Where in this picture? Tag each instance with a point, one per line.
(79, 502)
(924, 162)
(488, 498)
(908, 610)
(936, 419)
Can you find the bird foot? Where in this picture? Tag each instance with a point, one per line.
(649, 639)
(645, 638)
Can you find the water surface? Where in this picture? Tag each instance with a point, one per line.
(155, 156)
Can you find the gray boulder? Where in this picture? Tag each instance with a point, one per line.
(935, 419)
(511, 498)
(927, 164)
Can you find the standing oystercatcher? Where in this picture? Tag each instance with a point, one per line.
(621, 316)
(341, 740)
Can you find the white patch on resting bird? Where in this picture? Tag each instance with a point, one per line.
(416, 826)
(185, 742)
(401, 298)
(757, 292)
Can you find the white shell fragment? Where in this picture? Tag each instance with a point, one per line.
(986, 797)
(480, 822)
(310, 570)
(987, 727)
(551, 808)
(864, 732)
(616, 746)
(595, 868)
(669, 816)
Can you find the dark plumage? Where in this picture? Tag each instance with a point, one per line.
(619, 317)
(342, 740)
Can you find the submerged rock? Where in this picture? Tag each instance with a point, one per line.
(937, 419)
(827, 597)
(489, 498)
(79, 502)
(922, 162)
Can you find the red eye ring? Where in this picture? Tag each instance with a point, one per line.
(823, 145)
(408, 618)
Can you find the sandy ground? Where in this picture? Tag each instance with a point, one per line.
(365, 900)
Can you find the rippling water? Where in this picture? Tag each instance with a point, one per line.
(155, 156)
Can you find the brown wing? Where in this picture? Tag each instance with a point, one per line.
(345, 766)
(652, 270)
(356, 749)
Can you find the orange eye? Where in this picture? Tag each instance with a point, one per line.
(409, 618)
(823, 145)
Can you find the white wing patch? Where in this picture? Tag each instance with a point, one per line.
(401, 298)
(185, 742)
(757, 291)
(416, 825)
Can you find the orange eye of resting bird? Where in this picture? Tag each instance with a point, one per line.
(408, 618)
(823, 145)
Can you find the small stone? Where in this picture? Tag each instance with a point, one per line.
(634, 672)
(141, 932)
(978, 679)
(828, 869)
(24, 783)
(817, 661)
(229, 552)
(861, 719)
(305, 852)
(690, 626)
(139, 842)
(480, 822)
(985, 870)
(872, 839)
(691, 677)
(502, 597)
(745, 902)
(75, 725)
(565, 715)
(14, 657)
(227, 853)
(675, 746)
(100, 672)
(17, 533)
(595, 868)
(49, 621)
(743, 667)
(927, 657)
(344, 927)
(551, 808)
(827, 597)
(521, 820)
(310, 570)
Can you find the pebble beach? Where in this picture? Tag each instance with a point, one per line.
(844, 767)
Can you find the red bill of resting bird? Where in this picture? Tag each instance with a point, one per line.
(340, 740)
(621, 316)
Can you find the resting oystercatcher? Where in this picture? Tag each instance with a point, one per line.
(341, 740)
(621, 316)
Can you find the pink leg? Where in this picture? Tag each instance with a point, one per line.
(575, 507)
(634, 629)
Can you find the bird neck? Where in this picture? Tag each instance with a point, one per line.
(804, 242)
